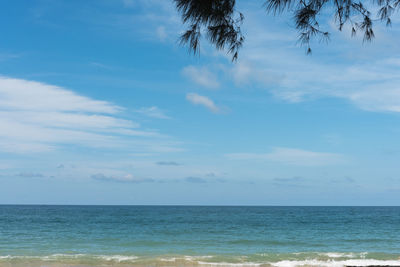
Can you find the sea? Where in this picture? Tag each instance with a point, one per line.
(41, 235)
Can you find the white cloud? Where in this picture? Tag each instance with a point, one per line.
(30, 175)
(127, 178)
(196, 99)
(20, 94)
(168, 163)
(153, 112)
(7, 56)
(376, 98)
(202, 76)
(128, 3)
(158, 20)
(100, 65)
(365, 75)
(372, 87)
(291, 156)
(244, 73)
(38, 117)
(71, 120)
(161, 33)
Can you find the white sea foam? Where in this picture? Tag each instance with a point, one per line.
(62, 256)
(198, 257)
(168, 259)
(343, 255)
(332, 263)
(55, 257)
(118, 258)
(229, 264)
(335, 259)
(186, 258)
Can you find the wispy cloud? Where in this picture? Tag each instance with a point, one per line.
(128, 178)
(204, 101)
(38, 117)
(7, 56)
(202, 76)
(383, 97)
(244, 73)
(289, 180)
(296, 181)
(30, 175)
(161, 33)
(269, 61)
(291, 156)
(196, 180)
(18, 94)
(158, 19)
(128, 3)
(168, 163)
(153, 112)
(345, 179)
(100, 65)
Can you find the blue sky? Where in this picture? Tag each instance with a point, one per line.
(100, 105)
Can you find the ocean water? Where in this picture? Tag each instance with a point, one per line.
(198, 236)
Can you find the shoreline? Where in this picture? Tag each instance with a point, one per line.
(290, 260)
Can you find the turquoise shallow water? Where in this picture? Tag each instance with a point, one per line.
(193, 235)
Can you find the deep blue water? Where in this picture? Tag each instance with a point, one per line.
(93, 234)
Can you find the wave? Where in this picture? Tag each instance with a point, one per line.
(364, 262)
(303, 259)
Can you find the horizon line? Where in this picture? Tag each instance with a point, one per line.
(196, 205)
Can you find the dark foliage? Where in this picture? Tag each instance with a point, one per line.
(221, 22)
(220, 19)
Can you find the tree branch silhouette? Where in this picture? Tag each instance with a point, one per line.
(220, 21)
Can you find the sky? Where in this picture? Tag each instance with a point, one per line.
(99, 104)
